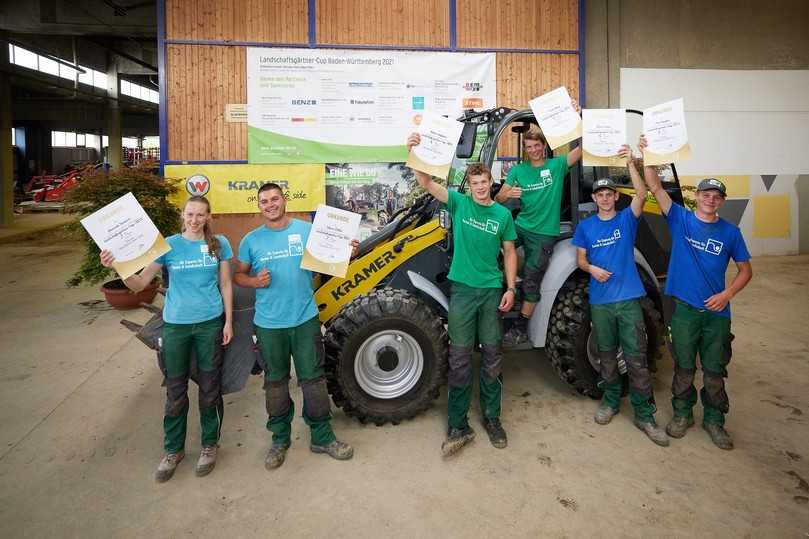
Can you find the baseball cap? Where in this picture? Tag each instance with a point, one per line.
(712, 183)
(604, 183)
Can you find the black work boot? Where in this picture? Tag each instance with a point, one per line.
(518, 333)
(719, 436)
(456, 439)
(496, 432)
(678, 425)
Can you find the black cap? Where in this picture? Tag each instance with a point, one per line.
(712, 183)
(604, 183)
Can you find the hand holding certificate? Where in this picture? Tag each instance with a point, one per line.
(559, 121)
(123, 228)
(328, 249)
(666, 136)
(604, 132)
(439, 138)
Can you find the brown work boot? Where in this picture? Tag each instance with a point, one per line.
(456, 439)
(678, 425)
(655, 433)
(207, 460)
(336, 450)
(604, 414)
(276, 456)
(719, 436)
(167, 466)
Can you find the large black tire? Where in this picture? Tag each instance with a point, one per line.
(569, 331)
(398, 331)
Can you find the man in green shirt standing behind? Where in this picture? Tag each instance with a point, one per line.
(538, 183)
(480, 228)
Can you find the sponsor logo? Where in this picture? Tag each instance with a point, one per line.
(609, 240)
(713, 247)
(472, 86)
(418, 102)
(360, 84)
(472, 103)
(354, 281)
(295, 244)
(362, 101)
(304, 101)
(492, 226)
(253, 185)
(198, 185)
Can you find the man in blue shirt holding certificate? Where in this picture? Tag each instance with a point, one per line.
(702, 246)
(606, 247)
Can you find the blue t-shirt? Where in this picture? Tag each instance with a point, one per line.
(700, 253)
(610, 245)
(193, 295)
(288, 301)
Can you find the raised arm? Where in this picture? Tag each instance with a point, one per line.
(639, 198)
(136, 282)
(655, 184)
(425, 180)
(575, 154)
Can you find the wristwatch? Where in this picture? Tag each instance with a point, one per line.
(512, 289)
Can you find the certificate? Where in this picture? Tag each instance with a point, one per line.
(664, 128)
(559, 121)
(439, 138)
(123, 228)
(603, 134)
(328, 249)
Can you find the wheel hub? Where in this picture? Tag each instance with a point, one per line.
(388, 364)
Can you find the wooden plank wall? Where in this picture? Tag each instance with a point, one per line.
(265, 21)
(420, 23)
(203, 78)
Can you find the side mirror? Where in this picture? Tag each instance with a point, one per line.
(444, 220)
(466, 145)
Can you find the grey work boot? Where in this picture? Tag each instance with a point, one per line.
(655, 433)
(604, 414)
(336, 450)
(719, 436)
(167, 466)
(496, 432)
(514, 336)
(207, 460)
(276, 455)
(456, 439)
(678, 425)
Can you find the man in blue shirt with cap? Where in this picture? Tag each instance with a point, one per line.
(702, 246)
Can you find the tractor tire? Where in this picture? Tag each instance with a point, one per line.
(569, 331)
(386, 356)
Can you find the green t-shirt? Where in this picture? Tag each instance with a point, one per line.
(478, 232)
(541, 198)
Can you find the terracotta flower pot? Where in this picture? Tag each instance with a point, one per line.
(120, 297)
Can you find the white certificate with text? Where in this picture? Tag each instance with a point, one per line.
(123, 228)
(328, 249)
(559, 121)
(439, 138)
(603, 134)
(666, 136)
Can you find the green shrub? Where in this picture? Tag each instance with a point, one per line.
(101, 188)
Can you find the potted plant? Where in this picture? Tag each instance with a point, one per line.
(98, 190)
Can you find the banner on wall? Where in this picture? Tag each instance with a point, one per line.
(233, 188)
(337, 106)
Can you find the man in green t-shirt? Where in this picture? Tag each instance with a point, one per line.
(538, 183)
(481, 227)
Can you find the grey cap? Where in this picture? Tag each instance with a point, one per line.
(712, 183)
(604, 183)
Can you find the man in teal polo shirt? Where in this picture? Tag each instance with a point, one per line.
(286, 322)
(481, 227)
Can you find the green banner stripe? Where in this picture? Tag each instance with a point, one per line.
(268, 147)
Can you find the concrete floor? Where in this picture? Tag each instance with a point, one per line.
(81, 405)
